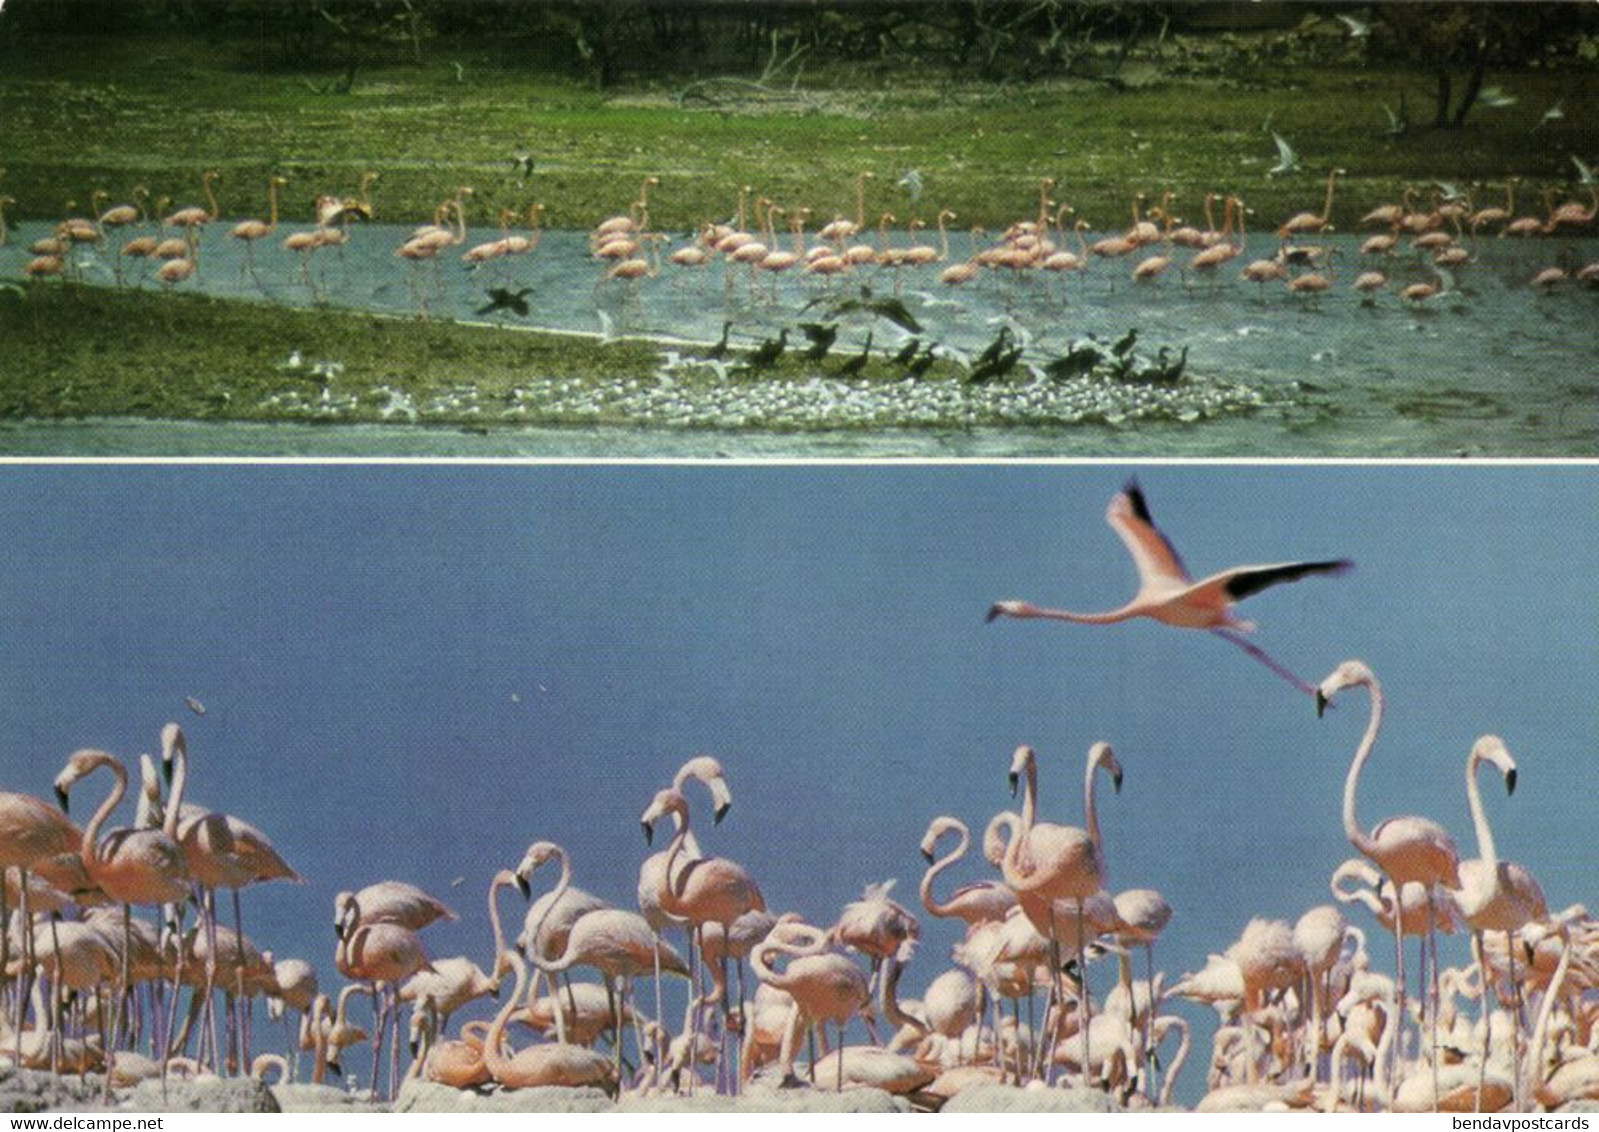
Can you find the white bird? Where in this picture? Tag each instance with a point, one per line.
(1166, 592)
(1357, 28)
(911, 182)
(1287, 159)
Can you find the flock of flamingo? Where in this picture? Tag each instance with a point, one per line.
(1427, 239)
(1041, 991)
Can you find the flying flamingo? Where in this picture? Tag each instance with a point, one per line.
(1495, 895)
(1408, 849)
(971, 903)
(1167, 594)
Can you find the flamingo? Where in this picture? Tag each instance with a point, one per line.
(388, 902)
(617, 943)
(1310, 221)
(971, 903)
(1495, 895)
(1166, 592)
(458, 1064)
(194, 216)
(702, 890)
(824, 985)
(382, 955)
(839, 230)
(553, 1064)
(31, 831)
(1408, 849)
(1045, 862)
(252, 230)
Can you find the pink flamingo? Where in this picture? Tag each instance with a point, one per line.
(1046, 862)
(1408, 849)
(971, 903)
(133, 866)
(617, 943)
(1495, 895)
(702, 890)
(824, 986)
(1310, 221)
(1167, 594)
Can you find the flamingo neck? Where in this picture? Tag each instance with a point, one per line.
(1352, 830)
(1210, 217)
(676, 850)
(1177, 1062)
(963, 840)
(888, 997)
(493, 1057)
(1326, 208)
(556, 893)
(1090, 810)
(1479, 817)
(272, 204)
(1534, 1067)
(180, 778)
(943, 238)
(860, 203)
(494, 921)
(210, 195)
(91, 833)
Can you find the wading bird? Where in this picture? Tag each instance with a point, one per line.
(1167, 594)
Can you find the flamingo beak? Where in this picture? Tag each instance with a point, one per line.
(1321, 703)
(1116, 780)
(524, 887)
(1014, 780)
(1510, 781)
(721, 812)
(649, 833)
(61, 797)
(166, 768)
(414, 1045)
(927, 855)
(994, 612)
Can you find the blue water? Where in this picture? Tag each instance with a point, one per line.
(1495, 369)
(414, 671)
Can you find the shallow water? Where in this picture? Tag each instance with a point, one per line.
(1495, 369)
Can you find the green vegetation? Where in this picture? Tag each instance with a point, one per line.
(73, 351)
(1186, 112)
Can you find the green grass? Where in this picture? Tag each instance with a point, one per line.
(84, 113)
(74, 351)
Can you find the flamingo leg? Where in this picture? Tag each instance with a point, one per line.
(1486, 1017)
(1265, 658)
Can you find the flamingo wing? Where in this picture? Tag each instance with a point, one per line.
(1243, 581)
(1157, 560)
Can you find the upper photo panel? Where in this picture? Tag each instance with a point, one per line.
(949, 228)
